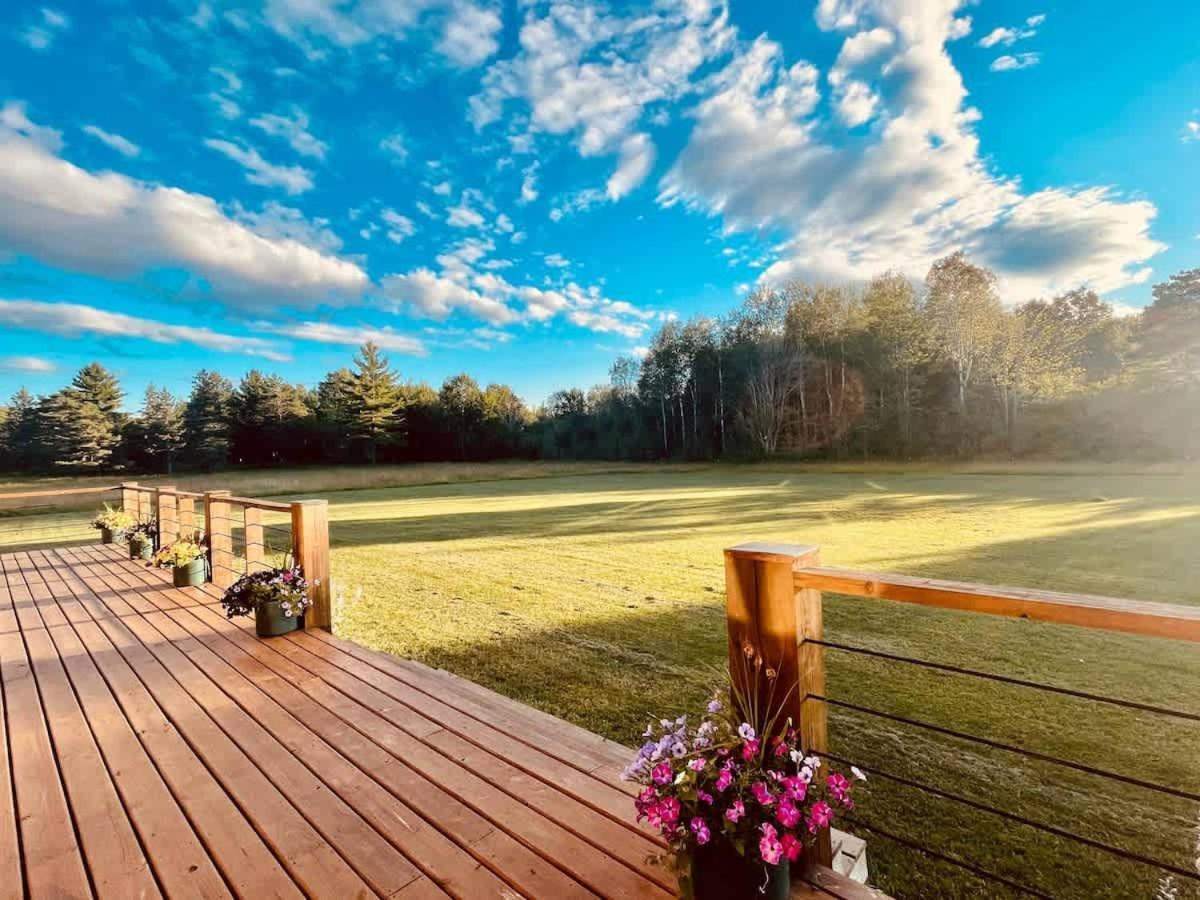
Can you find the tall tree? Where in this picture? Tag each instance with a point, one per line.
(462, 405)
(373, 401)
(899, 344)
(20, 431)
(161, 427)
(207, 420)
(963, 309)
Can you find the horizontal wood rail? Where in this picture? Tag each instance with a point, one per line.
(1089, 611)
(305, 524)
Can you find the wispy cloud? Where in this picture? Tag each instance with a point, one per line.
(122, 145)
(293, 179)
(49, 25)
(73, 320)
(293, 129)
(30, 364)
(1009, 63)
(347, 335)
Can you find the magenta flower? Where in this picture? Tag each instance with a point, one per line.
(769, 846)
(795, 789)
(697, 764)
(749, 750)
(791, 846)
(669, 810)
(704, 797)
(787, 814)
(819, 816)
(762, 793)
(838, 786)
(662, 773)
(724, 779)
(700, 830)
(736, 810)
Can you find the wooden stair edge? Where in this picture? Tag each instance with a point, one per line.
(821, 881)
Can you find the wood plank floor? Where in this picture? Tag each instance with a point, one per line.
(153, 748)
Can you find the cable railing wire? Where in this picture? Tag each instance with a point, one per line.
(1022, 820)
(1020, 751)
(975, 870)
(1007, 679)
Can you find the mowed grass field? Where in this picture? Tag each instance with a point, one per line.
(597, 595)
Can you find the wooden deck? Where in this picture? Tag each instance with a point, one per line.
(151, 748)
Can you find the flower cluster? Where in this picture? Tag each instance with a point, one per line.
(142, 531)
(722, 779)
(182, 552)
(286, 585)
(115, 520)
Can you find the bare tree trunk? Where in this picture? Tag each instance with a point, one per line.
(721, 399)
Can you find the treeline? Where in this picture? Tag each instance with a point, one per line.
(881, 371)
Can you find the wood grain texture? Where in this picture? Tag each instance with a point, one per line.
(1104, 613)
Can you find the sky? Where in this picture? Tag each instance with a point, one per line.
(525, 190)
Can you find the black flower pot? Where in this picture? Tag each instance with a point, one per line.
(106, 535)
(719, 872)
(140, 548)
(269, 619)
(191, 575)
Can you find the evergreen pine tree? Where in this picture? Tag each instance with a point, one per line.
(207, 418)
(373, 401)
(161, 426)
(20, 431)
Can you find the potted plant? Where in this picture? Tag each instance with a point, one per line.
(186, 560)
(277, 597)
(141, 540)
(112, 523)
(736, 798)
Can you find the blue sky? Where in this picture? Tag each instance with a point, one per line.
(523, 190)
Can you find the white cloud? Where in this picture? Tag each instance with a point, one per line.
(15, 122)
(586, 73)
(529, 191)
(347, 335)
(398, 227)
(504, 224)
(442, 189)
(468, 283)
(293, 129)
(464, 215)
(764, 154)
(467, 29)
(73, 319)
(122, 145)
(556, 261)
(222, 97)
(293, 179)
(111, 225)
(1191, 131)
(396, 146)
(470, 34)
(31, 364)
(1009, 36)
(856, 103)
(1008, 63)
(49, 26)
(636, 161)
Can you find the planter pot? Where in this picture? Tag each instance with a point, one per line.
(106, 536)
(269, 620)
(140, 548)
(190, 575)
(720, 873)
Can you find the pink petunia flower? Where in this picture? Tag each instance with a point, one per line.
(819, 816)
(669, 810)
(787, 814)
(724, 779)
(762, 793)
(769, 846)
(700, 830)
(736, 810)
(662, 773)
(792, 847)
(749, 750)
(697, 764)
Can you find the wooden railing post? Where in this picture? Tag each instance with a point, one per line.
(185, 516)
(165, 513)
(770, 621)
(310, 548)
(220, 537)
(129, 499)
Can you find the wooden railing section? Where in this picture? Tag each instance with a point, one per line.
(774, 613)
(218, 515)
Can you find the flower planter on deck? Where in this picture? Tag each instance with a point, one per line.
(719, 872)
(106, 536)
(270, 621)
(140, 548)
(191, 575)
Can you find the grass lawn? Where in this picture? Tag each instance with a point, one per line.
(599, 597)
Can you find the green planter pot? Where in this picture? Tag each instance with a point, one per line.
(106, 536)
(191, 575)
(270, 621)
(140, 548)
(720, 873)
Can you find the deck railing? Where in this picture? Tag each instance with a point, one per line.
(775, 615)
(243, 534)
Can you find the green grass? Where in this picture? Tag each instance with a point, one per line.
(600, 599)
